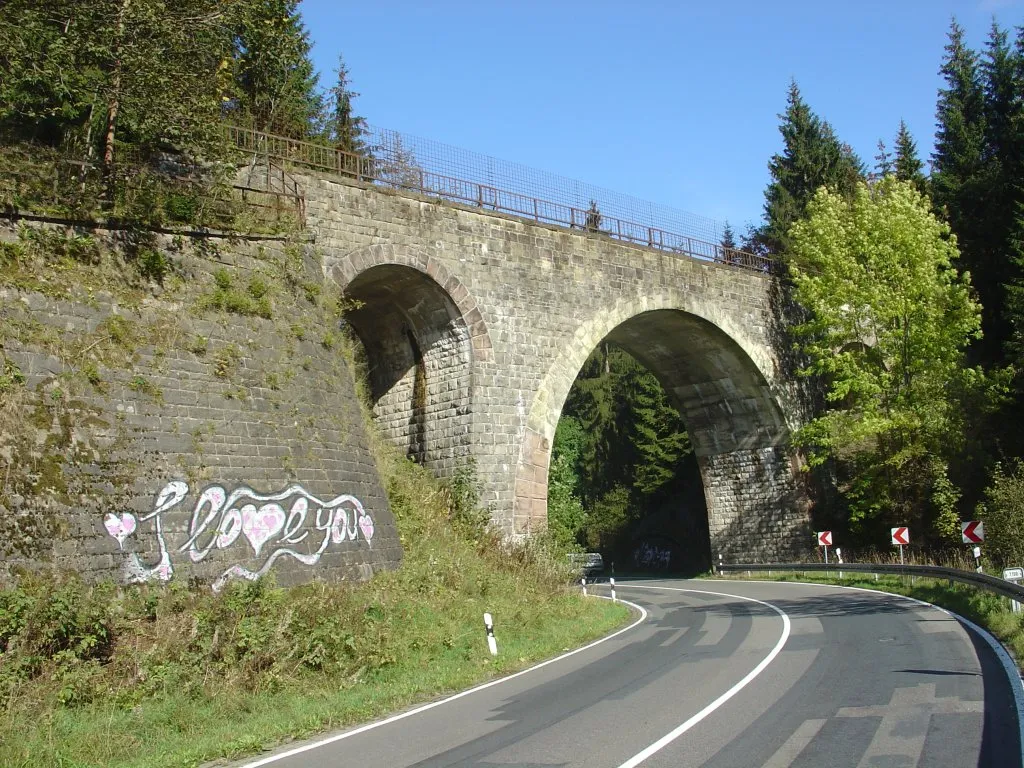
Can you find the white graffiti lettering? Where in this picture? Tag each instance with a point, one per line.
(220, 519)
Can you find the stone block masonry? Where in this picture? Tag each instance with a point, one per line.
(155, 437)
(204, 433)
(475, 325)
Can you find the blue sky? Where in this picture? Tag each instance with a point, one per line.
(673, 102)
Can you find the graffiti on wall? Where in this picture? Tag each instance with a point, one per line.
(292, 523)
(652, 556)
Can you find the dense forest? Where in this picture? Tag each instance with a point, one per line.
(901, 283)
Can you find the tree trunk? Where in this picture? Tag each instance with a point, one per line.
(114, 98)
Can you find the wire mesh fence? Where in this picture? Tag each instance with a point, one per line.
(445, 160)
(400, 161)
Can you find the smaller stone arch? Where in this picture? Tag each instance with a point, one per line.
(423, 336)
(346, 268)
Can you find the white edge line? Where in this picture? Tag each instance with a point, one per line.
(1009, 665)
(401, 716)
(674, 734)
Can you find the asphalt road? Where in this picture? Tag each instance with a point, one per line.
(724, 675)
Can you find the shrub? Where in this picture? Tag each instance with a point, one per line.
(1002, 511)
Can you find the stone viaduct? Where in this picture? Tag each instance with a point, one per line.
(475, 325)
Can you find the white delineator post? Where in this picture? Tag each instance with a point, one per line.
(583, 581)
(611, 581)
(491, 642)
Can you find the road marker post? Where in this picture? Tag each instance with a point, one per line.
(612, 582)
(900, 538)
(973, 532)
(492, 644)
(825, 540)
(839, 559)
(583, 581)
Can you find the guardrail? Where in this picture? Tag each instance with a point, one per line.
(396, 168)
(980, 580)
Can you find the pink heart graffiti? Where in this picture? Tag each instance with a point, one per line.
(260, 525)
(366, 525)
(120, 526)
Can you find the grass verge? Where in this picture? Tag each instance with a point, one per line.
(101, 675)
(983, 608)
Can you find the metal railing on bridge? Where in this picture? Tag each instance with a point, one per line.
(397, 163)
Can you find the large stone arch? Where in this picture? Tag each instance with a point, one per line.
(423, 335)
(724, 385)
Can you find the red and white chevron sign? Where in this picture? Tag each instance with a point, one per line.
(824, 538)
(900, 536)
(973, 532)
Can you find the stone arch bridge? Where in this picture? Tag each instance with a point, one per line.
(475, 325)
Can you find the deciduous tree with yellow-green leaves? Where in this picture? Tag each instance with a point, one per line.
(890, 318)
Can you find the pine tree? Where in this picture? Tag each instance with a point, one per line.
(812, 157)
(908, 166)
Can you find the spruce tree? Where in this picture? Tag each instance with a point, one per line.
(728, 246)
(346, 130)
(960, 134)
(812, 157)
(908, 166)
(883, 160)
(976, 173)
(656, 431)
(276, 86)
(958, 179)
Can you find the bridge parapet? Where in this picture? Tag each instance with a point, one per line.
(430, 170)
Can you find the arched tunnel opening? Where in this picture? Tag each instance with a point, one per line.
(418, 359)
(623, 478)
(657, 410)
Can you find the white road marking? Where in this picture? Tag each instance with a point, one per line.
(370, 726)
(931, 626)
(788, 752)
(674, 734)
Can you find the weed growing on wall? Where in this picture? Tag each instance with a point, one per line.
(227, 296)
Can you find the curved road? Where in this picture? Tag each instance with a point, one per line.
(724, 674)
